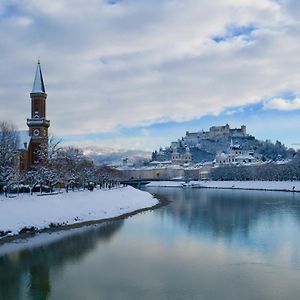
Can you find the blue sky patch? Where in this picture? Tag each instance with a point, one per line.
(112, 2)
(232, 31)
(9, 11)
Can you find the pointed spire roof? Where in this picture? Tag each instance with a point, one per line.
(38, 84)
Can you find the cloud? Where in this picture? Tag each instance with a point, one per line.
(282, 104)
(136, 63)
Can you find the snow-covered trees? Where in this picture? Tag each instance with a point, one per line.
(9, 142)
(268, 171)
(66, 167)
(107, 177)
(274, 151)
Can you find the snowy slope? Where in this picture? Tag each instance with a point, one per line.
(36, 211)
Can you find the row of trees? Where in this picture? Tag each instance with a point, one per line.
(271, 171)
(66, 167)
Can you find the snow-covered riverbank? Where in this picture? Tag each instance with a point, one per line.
(289, 186)
(41, 212)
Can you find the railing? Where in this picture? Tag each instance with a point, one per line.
(38, 122)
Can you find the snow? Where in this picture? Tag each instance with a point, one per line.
(249, 185)
(36, 211)
(245, 185)
(165, 184)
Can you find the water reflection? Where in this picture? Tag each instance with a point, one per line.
(225, 212)
(30, 269)
(206, 244)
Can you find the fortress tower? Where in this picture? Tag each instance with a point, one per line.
(38, 124)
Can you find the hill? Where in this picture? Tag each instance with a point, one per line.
(204, 145)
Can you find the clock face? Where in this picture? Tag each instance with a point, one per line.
(36, 132)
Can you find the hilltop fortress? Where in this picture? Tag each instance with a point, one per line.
(194, 139)
(203, 145)
(206, 154)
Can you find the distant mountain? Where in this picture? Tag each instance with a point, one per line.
(111, 156)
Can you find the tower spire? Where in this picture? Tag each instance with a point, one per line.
(38, 84)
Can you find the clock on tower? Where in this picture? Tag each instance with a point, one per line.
(38, 124)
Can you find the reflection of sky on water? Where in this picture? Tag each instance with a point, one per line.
(206, 244)
(266, 222)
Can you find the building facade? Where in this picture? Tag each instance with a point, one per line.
(34, 142)
(236, 156)
(178, 159)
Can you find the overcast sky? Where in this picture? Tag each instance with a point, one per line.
(139, 73)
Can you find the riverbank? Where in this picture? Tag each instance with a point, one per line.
(27, 214)
(283, 186)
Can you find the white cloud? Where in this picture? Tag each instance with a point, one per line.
(140, 62)
(282, 104)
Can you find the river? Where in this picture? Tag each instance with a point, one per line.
(205, 244)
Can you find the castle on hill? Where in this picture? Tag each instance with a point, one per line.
(203, 146)
(194, 139)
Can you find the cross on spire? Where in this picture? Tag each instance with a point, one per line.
(38, 84)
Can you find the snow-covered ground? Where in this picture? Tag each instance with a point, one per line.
(166, 183)
(42, 212)
(245, 185)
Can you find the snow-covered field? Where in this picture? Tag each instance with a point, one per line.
(166, 183)
(245, 185)
(42, 212)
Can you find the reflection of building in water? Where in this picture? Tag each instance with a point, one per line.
(37, 263)
(39, 287)
(226, 214)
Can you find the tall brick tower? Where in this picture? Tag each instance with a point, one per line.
(38, 124)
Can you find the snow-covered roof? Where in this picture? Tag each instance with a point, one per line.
(244, 157)
(24, 139)
(283, 162)
(223, 155)
(166, 162)
(38, 84)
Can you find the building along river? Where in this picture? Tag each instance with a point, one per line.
(205, 244)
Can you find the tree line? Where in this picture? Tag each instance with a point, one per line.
(267, 171)
(64, 167)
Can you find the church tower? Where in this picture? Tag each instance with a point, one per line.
(38, 124)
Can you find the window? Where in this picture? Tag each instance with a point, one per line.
(36, 156)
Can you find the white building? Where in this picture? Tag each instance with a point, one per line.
(178, 159)
(236, 156)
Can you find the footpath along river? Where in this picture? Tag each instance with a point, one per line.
(205, 244)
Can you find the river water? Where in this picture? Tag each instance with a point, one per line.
(205, 244)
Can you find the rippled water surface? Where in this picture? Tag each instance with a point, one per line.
(206, 244)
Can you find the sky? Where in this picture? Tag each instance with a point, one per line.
(138, 74)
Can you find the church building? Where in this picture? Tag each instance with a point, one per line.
(34, 142)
